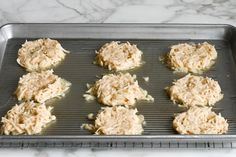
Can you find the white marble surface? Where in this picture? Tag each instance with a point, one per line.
(105, 11)
(177, 11)
(116, 153)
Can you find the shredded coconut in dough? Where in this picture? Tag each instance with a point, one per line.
(117, 120)
(41, 86)
(41, 54)
(119, 56)
(119, 89)
(195, 90)
(27, 118)
(193, 58)
(200, 120)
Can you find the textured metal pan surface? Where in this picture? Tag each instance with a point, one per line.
(82, 40)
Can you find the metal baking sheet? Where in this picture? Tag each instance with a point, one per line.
(154, 40)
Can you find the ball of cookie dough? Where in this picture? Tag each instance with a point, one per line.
(41, 54)
(200, 120)
(27, 118)
(194, 58)
(119, 120)
(195, 90)
(118, 89)
(119, 56)
(41, 86)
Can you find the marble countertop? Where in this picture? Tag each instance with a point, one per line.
(107, 11)
(117, 11)
(116, 153)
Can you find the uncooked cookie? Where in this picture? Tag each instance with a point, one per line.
(119, 56)
(117, 120)
(41, 54)
(41, 86)
(195, 90)
(27, 118)
(193, 58)
(118, 89)
(200, 120)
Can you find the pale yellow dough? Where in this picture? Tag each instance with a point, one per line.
(194, 58)
(200, 120)
(195, 91)
(117, 120)
(27, 118)
(118, 89)
(41, 86)
(119, 56)
(41, 54)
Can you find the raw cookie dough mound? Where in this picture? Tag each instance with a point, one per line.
(41, 54)
(27, 118)
(41, 86)
(119, 89)
(193, 58)
(119, 56)
(195, 90)
(200, 120)
(118, 120)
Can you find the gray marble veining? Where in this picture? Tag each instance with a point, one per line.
(115, 11)
(99, 11)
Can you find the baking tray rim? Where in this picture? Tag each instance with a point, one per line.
(107, 24)
(177, 136)
(172, 25)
